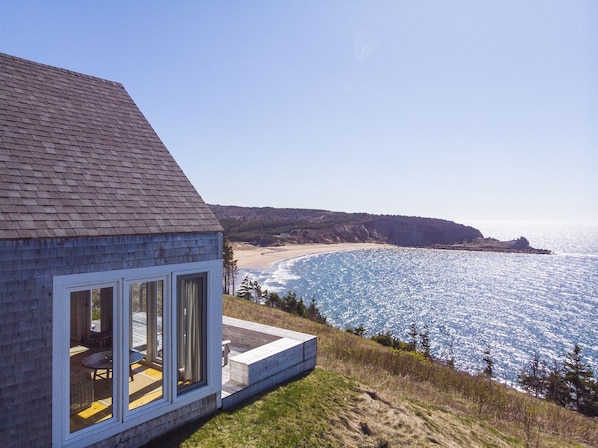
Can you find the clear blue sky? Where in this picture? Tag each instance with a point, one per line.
(464, 110)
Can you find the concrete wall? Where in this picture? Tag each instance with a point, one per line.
(26, 285)
(151, 429)
(281, 355)
(244, 338)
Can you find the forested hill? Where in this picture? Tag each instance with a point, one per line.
(266, 226)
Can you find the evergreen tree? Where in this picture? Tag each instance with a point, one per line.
(256, 291)
(273, 300)
(489, 364)
(229, 268)
(290, 304)
(385, 339)
(424, 339)
(358, 331)
(301, 308)
(590, 407)
(244, 291)
(450, 362)
(413, 335)
(556, 390)
(313, 313)
(578, 379)
(534, 377)
(250, 290)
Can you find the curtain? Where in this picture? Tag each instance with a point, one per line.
(106, 307)
(190, 329)
(80, 315)
(151, 318)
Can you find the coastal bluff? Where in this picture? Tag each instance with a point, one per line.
(268, 226)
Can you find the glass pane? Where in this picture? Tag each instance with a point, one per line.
(190, 332)
(90, 363)
(145, 343)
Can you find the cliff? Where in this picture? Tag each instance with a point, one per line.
(266, 226)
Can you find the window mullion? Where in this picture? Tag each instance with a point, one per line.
(121, 352)
(171, 360)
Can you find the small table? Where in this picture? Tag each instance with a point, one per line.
(103, 361)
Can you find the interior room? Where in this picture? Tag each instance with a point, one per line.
(92, 377)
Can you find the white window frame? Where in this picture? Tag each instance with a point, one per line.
(123, 418)
(167, 292)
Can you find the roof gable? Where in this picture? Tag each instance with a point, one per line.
(78, 158)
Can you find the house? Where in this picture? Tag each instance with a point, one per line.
(111, 269)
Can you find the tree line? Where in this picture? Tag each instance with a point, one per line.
(570, 383)
(251, 290)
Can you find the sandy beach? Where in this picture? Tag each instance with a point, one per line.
(249, 256)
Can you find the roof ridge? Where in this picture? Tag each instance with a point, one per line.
(60, 69)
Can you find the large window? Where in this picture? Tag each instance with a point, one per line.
(95, 373)
(132, 346)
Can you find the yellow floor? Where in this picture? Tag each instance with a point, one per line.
(146, 387)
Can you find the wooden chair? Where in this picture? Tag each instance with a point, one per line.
(81, 390)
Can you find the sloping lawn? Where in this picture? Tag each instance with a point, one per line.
(295, 415)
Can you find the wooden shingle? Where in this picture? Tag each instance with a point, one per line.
(79, 159)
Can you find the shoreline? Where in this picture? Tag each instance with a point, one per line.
(249, 256)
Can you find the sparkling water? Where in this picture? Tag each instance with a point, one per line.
(515, 304)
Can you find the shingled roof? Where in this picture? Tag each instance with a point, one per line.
(79, 159)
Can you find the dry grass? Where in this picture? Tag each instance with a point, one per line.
(415, 403)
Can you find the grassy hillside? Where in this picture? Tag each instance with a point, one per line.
(363, 394)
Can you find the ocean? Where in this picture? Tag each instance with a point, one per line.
(514, 304)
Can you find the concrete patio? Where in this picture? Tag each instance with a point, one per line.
(262, 357)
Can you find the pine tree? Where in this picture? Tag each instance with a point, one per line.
(424, 339)
(413, 335)
(273, 300)
(450, 362)
(229, 268)
(590, 407)
(357, 331)
(533, 378)
(244, 291)
(313, 313)
(556, 390)
(578, 379)
(256, 291)
(489, 364)
(290, 304)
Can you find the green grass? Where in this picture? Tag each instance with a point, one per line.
(294, 415)
(364, 394)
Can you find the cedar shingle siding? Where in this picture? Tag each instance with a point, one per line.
(26, 316)
(86, 186)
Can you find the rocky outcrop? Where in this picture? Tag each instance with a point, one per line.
(520, 245)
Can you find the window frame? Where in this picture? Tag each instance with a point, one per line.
(123, 418)
(167, 292)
